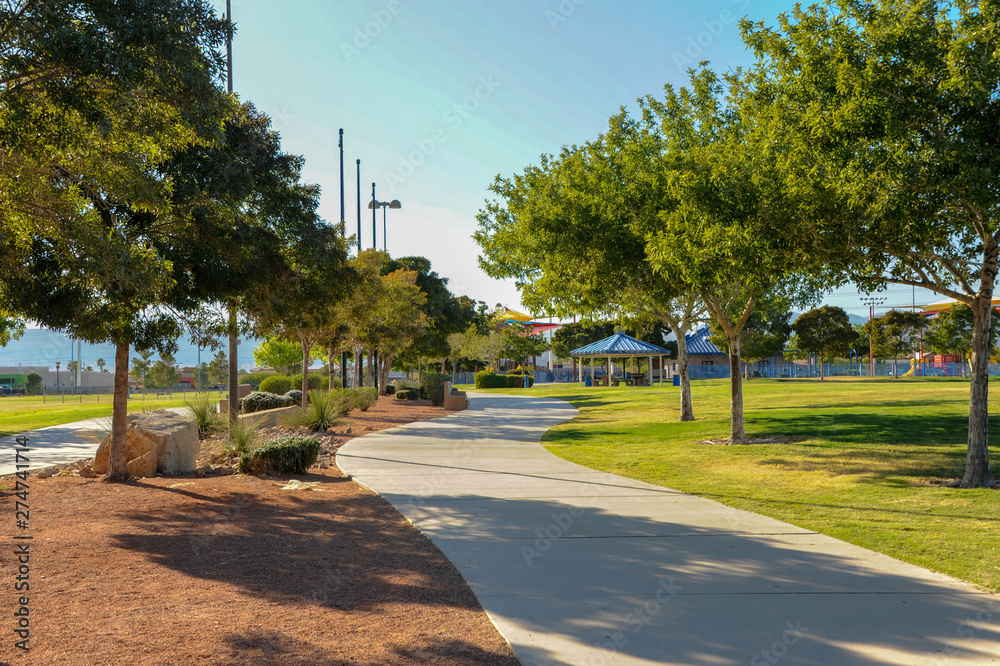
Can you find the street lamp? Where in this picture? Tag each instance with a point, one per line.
(871, 302)
(373, 204)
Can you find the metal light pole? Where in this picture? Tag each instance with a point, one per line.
(373, 358)
(357, 357)
(871, 302)
(234, 343)
(343, 230)
(383, 205)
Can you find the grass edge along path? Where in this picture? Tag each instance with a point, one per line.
(859, 460)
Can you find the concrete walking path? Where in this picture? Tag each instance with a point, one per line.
(59, 444)
(582, 567)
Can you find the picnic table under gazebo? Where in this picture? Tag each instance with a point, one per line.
(620, 346)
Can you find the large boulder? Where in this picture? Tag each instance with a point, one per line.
(165, 441)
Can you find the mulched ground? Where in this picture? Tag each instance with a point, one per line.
(227, 569)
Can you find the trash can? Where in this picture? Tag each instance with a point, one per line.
(527, 381)
(587, 381)
(677, 380)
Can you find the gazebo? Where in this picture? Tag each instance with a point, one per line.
(619, 346)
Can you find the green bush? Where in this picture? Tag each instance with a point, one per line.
(295, 396)
(255, 378)
(258, 402)
(32, 383)
(285, 455)
(323, 410)
(434, 386)
(364, 398)
(486, 379)
(408, 394)
(517, 381)
(515, 371)
(276, 384)
(317, 382)
(206, 414)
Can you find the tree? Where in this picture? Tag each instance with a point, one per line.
(573, 231)
(283, 355)
(141, 365)
(950, 332)
(519, 344)
(32, 383)
(163, 373)
(101, 364)
(825, 331)
(889, 108)
(71, 367)
(895, 334)
(218, 369)
(727, 232)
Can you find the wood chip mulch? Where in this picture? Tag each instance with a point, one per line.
(216, 568)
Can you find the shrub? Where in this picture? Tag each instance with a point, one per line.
(515, 371)
(487, 379)
(242, 435)
(32, 383)
(258, 402)
(295, 396)
(517, 381)
(390, 389)
(434, 386)
(322, 412)
(285, 455)
(206, 414)
(276, 384)
(255, 378)
(407, 394)
(316, 381)
(364, 398)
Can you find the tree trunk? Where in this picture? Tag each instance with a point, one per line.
(117, 471)
(234, 367)
(737, 433)
(306, 348)
(331, 358)
(977, 462)
(420, 369)
(368, 370)
(384, 367)
(822, 370)
(358, 349)
(687, 406)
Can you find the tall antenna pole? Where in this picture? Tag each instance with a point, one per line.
(374, 219)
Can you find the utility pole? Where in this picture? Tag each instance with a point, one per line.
(373, 358)
(359, 376)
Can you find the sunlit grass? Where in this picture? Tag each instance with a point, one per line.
(862, 460)
(21, 414)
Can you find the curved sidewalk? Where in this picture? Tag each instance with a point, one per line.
(582, 567)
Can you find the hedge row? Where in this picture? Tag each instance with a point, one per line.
(284, 455)
(486, 379)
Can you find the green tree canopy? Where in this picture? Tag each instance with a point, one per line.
(826, 332)
(889, 110)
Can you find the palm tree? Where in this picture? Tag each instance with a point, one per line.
(101, 363)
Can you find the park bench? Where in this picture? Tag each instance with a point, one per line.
(454, 400)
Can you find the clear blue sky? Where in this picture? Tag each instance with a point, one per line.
(439, 97)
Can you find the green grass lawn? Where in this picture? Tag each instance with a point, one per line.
(21, 414)
(863, 463)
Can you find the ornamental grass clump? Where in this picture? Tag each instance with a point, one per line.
(206, 415)
(284, 455)
(323, 411)
(243, 435)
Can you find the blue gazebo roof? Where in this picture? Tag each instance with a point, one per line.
(620, 344)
